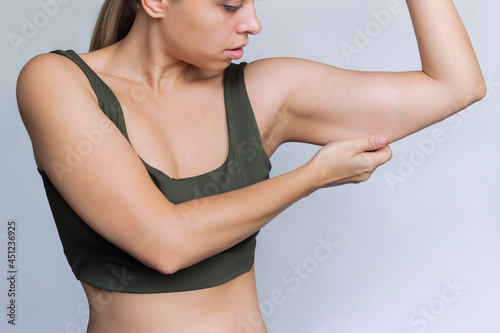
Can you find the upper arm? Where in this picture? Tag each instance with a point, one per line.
(319, 103)
(89, 161)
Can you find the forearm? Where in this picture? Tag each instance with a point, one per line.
(204, 227)
(446, 52)
(170, 237)
(210, 225)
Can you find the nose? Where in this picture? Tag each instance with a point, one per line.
(250, 24)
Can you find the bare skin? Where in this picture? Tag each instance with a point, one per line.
(155, 72)
(231, 307)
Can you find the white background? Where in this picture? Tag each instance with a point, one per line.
(426, 220)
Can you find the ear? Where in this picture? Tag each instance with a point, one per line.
(154, 8)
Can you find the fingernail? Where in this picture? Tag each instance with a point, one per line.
(381, 140)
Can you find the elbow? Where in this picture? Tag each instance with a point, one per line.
(167, 249)
(164, 264)
(469, 92)
(167, 264)
(476, 89)
(164, 257)
(170, 249)
(178, 259)
(480, 90)
(171, 262)
(175, 259)
(168, 267)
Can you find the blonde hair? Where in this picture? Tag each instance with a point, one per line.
(114, 22)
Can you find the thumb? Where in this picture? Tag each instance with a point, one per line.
(372, 142)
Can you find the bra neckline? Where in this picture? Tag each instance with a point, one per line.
(149, 167)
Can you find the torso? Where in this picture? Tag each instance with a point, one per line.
(228, 308)
(183, 133)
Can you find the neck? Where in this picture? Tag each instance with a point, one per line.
(142, 56)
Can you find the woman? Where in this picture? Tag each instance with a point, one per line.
(158, 199)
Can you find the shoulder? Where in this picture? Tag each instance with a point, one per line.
(46, 71)
(276, 85)
(45, 66)
(48, 77)
(49, 86)
(268, 84)
(277, 78)
(35, 73)
(267, 68)
(282, 76)
(266, 77)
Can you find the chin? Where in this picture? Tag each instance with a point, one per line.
(214, 66)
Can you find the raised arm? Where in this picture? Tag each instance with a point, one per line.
(318, 103)
(110, 189)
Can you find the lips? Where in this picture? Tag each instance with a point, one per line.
(236, 53)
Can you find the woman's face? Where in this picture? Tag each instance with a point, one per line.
(208, 33)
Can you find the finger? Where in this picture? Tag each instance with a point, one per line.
(371, 142)
(381, 155)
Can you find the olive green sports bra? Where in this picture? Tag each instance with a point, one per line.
(100, 263)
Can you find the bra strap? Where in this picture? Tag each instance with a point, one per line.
(107, 100)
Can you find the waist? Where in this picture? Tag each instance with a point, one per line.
(230, 307)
